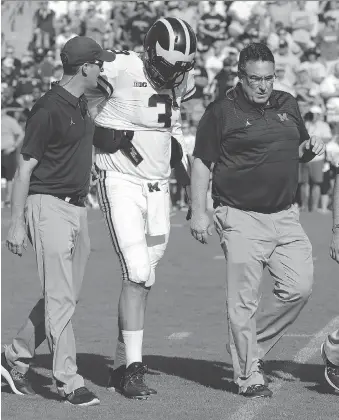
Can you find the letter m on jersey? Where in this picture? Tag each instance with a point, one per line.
(283, 117)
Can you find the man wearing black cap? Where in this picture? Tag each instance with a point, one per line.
(49, 192)
(254, 138)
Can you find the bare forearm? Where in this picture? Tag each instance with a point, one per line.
(199, 185)
(336, 201)
(19, 194)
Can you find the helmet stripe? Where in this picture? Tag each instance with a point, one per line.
(187, 36)
(170, 33)
(180, 39)
(192, 38)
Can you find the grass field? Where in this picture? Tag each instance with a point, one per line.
(185, 336)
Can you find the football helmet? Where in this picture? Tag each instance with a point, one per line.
(170, 47)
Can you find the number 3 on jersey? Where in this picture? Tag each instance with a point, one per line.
(156, 99)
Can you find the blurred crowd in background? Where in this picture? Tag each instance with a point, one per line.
(303, 35)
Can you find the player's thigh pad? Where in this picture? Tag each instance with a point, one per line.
(156, 249)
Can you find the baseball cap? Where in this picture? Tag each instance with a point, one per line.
(82, 49)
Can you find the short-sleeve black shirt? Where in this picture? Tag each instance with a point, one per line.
(212, 22)
(59, 135)
(255, 151)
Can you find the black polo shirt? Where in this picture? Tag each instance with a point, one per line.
(213, 22)
(255, 150)
(59, 135)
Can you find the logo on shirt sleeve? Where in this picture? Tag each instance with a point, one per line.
(283, 117)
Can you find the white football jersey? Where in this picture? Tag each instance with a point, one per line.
(125, 100)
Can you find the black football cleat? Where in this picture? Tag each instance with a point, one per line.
(133, 384)
(116, 380)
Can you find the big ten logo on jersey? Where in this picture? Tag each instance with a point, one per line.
(140, 84)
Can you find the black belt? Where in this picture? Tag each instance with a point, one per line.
(76, 200)
(217, 204)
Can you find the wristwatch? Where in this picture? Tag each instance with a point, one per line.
(335, 227)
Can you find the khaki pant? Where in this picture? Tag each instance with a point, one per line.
(332, 347)
(58, 232)
(252, 241)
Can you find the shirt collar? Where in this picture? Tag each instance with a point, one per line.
(247, 106)
(71, 99)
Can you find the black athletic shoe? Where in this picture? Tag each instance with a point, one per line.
(331, 370)
(257, 391)
(18, 382)
(261, 367)
(115, 380)
(115, 377)
(82, 397)
(133, 385)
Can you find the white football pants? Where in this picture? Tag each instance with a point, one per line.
(126, 203)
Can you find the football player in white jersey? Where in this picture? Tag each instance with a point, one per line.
(137, 115)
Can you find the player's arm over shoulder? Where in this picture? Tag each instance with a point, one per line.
(107, 81)
(124, 60)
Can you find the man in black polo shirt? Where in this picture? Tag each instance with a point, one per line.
(49, 192)
(254, 138)
(211, 27)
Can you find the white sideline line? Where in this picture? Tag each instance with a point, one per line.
(252, 408)
(222, 257)
(179, 335)
(298, 335)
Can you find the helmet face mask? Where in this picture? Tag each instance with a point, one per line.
(170, 47)
(164, 75)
